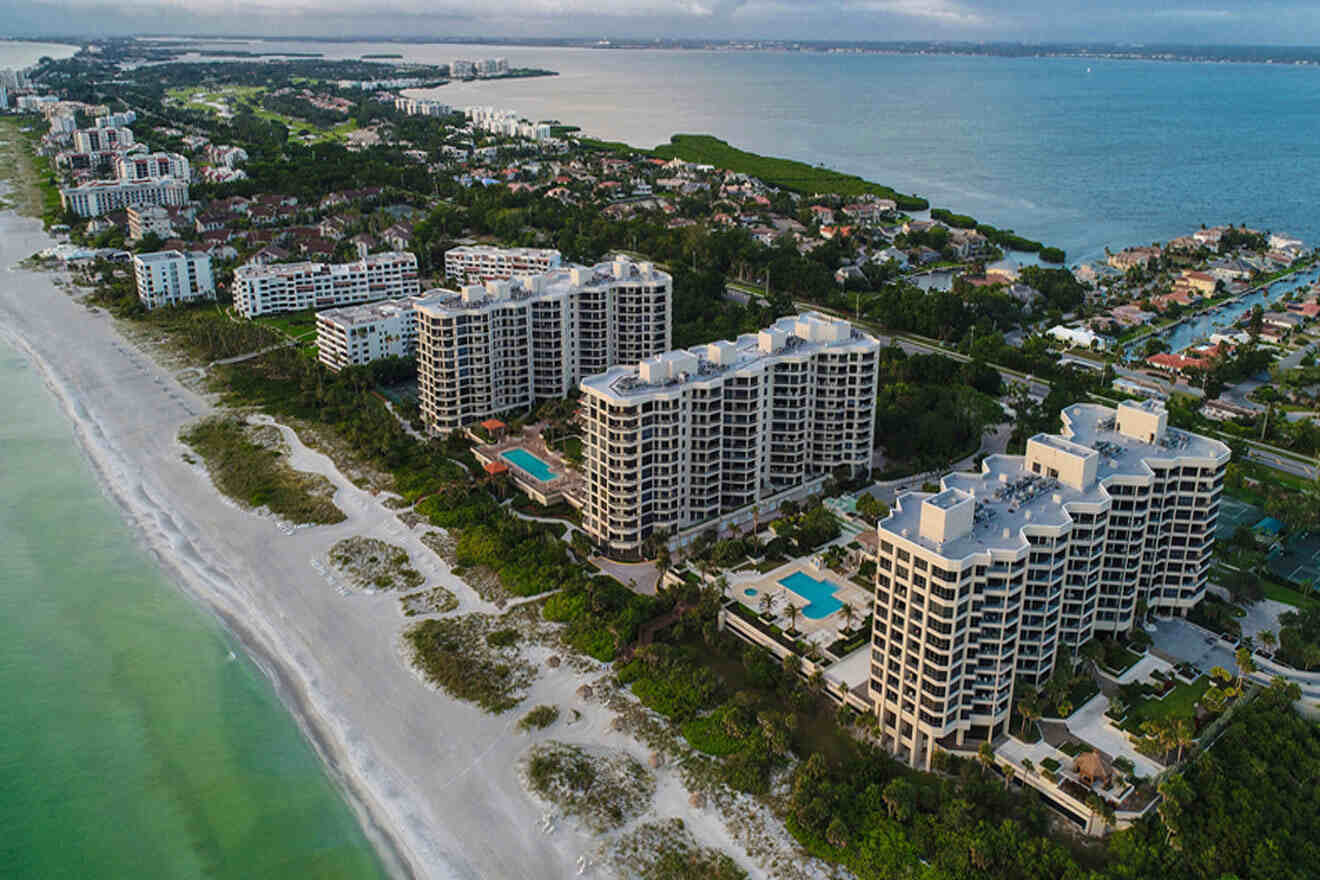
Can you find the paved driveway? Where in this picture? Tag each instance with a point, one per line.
(1180, 639)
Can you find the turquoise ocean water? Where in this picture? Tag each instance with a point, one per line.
(139, 740)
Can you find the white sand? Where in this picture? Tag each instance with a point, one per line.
(434, 780)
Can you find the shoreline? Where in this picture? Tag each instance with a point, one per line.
(396, 859)
(433, 782)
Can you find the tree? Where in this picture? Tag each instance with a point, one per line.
(792, 611)
(986, 755)
(1268, 639)
(849, 614)
(1009, 772)
(663, 562)
(766, 604)
(899, 797)
(1246, 665)
(1028, 707)
(1181, 735)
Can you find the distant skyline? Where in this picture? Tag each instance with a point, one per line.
(1170, 21)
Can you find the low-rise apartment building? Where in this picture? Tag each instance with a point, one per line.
(685, 438)
(477, 264)
(355, 335)
(171, 278)
(104, 196)
(288, 287)
(985, 581)
(488, 350)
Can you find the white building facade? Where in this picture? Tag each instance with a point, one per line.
(145, 166)
(93, 140)
(477, 264)
(103, 196)
(171, 278)
(984, 582)
(288, 287)
(684, 438)
(356, 335)
(487, 350)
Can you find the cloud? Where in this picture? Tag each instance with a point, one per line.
(1271, 21)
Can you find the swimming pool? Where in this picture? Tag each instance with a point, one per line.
(524, 460)
(819, 594)
(749, 592)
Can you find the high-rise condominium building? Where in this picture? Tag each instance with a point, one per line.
(987, 580)
(687, 437)
(477, 264)
(99, 197)
(141, 166)
(171, 278)
(355, 335)
(487, 350)
(288, 287)
(92, 140)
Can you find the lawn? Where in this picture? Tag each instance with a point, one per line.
(295, 324)
(1280, 593)
(1180, 703)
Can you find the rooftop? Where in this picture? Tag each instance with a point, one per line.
(1007, 494)
(543, 285)
(366, 313)
(163, 256)
(805, 334)
(290, 269)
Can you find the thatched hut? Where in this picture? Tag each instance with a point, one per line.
(1091, 767)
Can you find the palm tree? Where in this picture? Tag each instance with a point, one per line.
(986, 755)
(1009, 772)
(1027, 709)
(1245, 664)
(1181, 734)
(1029, 766)
(792, 611)
(849, 614)
(1268, 639)
(767, 604)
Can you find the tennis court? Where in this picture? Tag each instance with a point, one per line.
(1299, 560)
(1234, 513)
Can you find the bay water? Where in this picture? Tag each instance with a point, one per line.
(138, 739)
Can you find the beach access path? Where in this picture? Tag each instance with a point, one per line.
(435, 781)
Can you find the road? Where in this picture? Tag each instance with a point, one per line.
(1283, 463)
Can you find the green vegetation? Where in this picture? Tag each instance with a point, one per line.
(256, 475)
(602, 789)
(437, 600)
(665, 850)
(786, 173)
(30, 190)
(932, 410)
(1179, 702)
(457, 655)
(539, 718)
(1246, 808)
(369, 563)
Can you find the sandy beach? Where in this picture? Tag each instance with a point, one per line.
(435, 781)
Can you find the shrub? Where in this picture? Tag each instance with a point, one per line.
(539, 718)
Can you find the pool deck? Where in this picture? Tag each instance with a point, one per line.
(565, 485)
(821, 632)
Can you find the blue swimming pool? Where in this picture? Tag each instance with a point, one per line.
(819, 594)
(524, 460)
(749, 592)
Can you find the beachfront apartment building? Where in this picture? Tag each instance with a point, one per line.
(144, 166)
(477, 264)
(484, 350)
(681, 440)
(171, 278)
(984, 582)
(421, 107)
(94, 140)
(99, 197)
(288, 287)
(355, 335)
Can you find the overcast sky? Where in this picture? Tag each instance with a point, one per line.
(1187, 21)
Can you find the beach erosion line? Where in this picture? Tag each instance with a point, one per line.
(400, 840)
